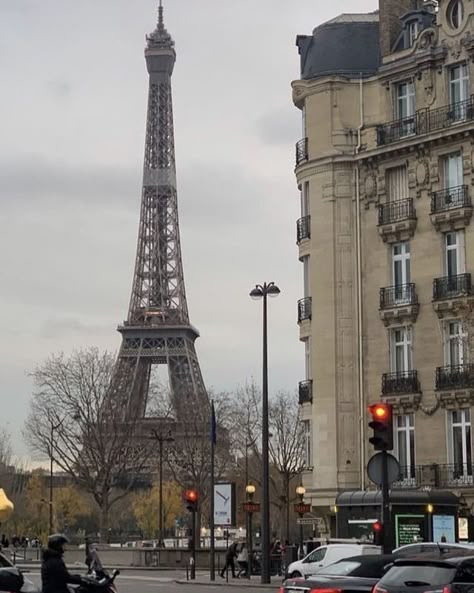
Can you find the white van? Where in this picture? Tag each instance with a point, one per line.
(325, 555)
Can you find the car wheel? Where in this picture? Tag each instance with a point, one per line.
(295, 575)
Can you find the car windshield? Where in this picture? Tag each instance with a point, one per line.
(339, 568)
(417, 574)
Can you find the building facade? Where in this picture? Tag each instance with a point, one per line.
(385, 171)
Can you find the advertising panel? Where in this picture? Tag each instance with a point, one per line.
(443, 529)
(224, 504)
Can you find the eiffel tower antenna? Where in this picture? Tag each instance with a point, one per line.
(157, 330)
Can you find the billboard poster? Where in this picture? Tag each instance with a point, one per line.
(409, 529)
(443, 529)
(463, 529)
(224, 504)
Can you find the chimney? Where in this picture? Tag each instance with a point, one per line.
(390, 12)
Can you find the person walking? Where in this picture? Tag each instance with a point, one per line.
(243, 561)
(55, 577)
(229, 560)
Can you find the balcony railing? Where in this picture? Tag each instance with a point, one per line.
(396, 296)
(436, 475)
(457, 376)
(303, 228)
(305, 392)
(426, 120)
(304, 309)
(396, 211)
(451, 287)
(453, 197)
(401, 382)
(301, 151)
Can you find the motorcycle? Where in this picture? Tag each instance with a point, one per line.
(98, 583)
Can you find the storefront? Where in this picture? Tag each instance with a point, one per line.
(416, 515)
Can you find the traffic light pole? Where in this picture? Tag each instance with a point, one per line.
(387, 535)
(193, 550)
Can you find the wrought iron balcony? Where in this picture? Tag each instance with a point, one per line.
(459, 376)
(305, 392)
(436, 475)
(400, 383)
(304, 309)
(301, 151)
(453, 197)
(456, 474)
(451, 287)
(396, 211)
(399, 295)
(303, 229)
(425, 121)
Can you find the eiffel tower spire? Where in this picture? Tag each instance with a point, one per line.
(157, 329)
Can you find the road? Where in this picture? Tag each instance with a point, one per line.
(137, 581)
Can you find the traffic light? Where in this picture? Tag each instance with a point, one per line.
(191, 497)
(382, 425)
(377, 529)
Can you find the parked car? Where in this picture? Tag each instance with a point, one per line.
(420, 575)
(11, 575)
(359, 573)
(325, 555)
(434, 549)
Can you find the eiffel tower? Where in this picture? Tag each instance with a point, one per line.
(157, 330)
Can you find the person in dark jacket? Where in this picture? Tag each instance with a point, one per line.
(229, 560)
(54, 574)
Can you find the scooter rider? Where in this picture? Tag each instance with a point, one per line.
(55, 576)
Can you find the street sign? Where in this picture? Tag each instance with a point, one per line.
(310, 521)
(302, 508)
(251, 507)
(374, 468)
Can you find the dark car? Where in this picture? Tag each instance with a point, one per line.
(434, 549)
(422, 575)
(358, 573)
(12, 578)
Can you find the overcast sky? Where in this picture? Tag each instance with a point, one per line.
(72, 119)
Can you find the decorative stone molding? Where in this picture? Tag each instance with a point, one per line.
(403, 404)
(399, 315)
(451, 220)
(455, 399)
(398, 231)
(454, 307)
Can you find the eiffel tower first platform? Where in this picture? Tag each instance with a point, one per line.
(157, 330)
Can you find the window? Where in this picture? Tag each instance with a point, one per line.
(405, 107)
(453, 174)
(459, 445)
(307, 359)
(412, 32)
(397, 183)
(305, 199)
(455, 343)
(458, 91)
(456, 13)
(307, 442)
(316, 555)
(454, 253)
(401, 352)
(401, 271)
(405, 445)
(306, 277)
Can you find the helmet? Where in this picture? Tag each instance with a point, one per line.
(56, 542)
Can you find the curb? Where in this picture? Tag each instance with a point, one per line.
(241, 583)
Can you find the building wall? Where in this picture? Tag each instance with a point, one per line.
(333, 115)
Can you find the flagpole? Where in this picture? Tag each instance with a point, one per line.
(212, 565)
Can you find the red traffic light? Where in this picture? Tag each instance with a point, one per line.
(377, 526)
(380, 411)
(191, 496)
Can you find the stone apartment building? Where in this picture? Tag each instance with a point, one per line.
(385, 171)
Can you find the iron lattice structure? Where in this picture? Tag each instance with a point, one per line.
(157, 329)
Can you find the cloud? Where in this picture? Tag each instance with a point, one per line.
(280, 127)
(61, 89)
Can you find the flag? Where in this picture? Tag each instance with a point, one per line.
(213, 424)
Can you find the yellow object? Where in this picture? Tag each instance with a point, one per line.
(6, 506)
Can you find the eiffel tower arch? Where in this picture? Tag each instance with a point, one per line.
(157, 330)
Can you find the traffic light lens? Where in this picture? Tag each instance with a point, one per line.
(380, 412)
(191, 495)
(377, 526)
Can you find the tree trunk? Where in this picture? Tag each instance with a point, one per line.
(104, 520)
(287, 497)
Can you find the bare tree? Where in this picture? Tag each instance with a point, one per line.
(73, 420)
(6, 451)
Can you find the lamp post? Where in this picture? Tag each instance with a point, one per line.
(161, 438)
(263, 291)
(250, 491)
(301, 509)
(51, 469)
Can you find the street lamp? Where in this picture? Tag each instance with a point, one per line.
(54, 427)
(161, 438)
(300, 492)
(250, 491)
(263, 291)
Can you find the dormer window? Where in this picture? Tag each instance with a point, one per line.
(412, 32)
(456, 13)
